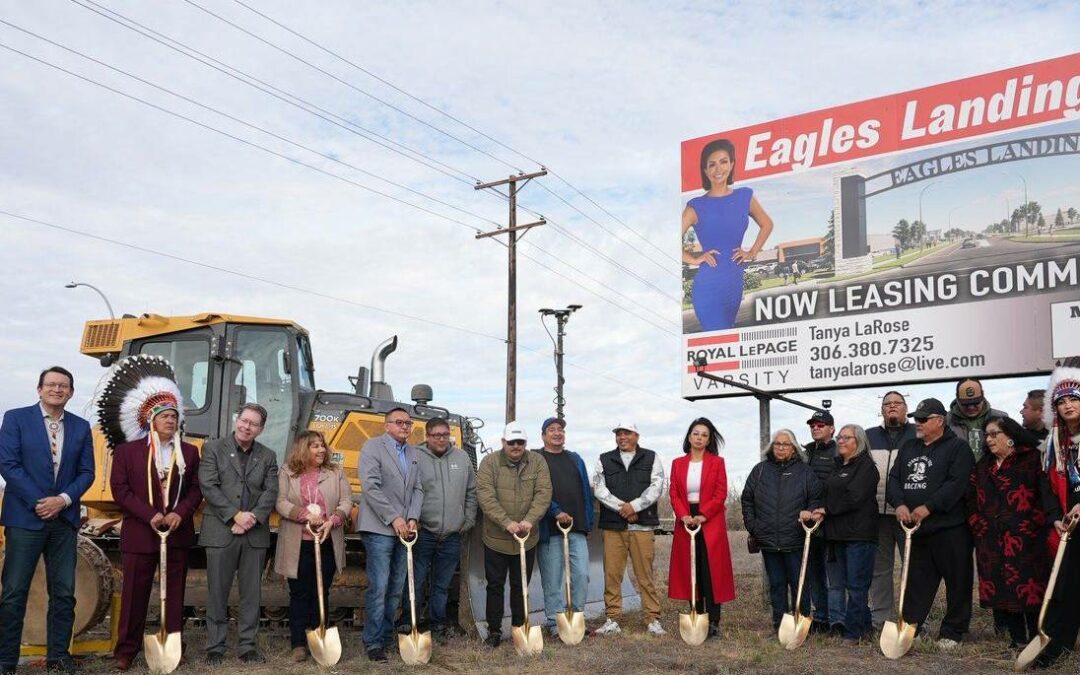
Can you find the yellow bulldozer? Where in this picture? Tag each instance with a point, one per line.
(222, 361)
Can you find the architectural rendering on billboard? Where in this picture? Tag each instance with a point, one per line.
(921, 236)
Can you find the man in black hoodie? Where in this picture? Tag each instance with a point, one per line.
(828, 598)
(927, 485)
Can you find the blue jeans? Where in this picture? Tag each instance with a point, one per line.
(58, 542)
(386, 579)
(849, 577)
(817, 583)
(439, 558)
(782, 569)
(551, 574)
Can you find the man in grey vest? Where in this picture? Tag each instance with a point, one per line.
(628, 481)
(239, 480)
(885, 441)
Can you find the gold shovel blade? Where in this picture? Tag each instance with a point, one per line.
(1031, 652)
(693, 628)
(528, 640)
(896, 639)
(162, 653)
(325, 646)
(571, 626)
(415, 647)
(793, 630)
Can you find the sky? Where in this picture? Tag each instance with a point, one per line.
(600, 93)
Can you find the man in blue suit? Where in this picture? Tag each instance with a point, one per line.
(47, 461)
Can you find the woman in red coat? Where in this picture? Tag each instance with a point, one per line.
(698, 495)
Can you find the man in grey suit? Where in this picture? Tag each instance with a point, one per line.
(390, 501)
(238, 477)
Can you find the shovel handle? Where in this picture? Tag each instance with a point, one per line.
(813, 528)
(692, 529)
(318, 538)
(409, 542)
(908, 531)
(521, 540)
(569, 526)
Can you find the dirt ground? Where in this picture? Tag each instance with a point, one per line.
(747, 645)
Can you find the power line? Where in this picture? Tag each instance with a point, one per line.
(313, 293)
(310, 166)
(280, 94)
(565, 232)
(352, 86)
(463, 123)
(237, 138)
(421, 121)
(251, 126)
(245, 275)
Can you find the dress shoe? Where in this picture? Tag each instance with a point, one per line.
(215, 659)
(493, 641)
(299, 654)
(377, 654)
(122, 663)
(252, 657)
(65, 666)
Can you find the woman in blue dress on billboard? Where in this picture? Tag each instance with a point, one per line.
(719, 218)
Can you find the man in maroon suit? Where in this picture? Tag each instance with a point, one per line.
(155, 480)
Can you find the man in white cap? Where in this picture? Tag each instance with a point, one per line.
(513, 488)
(628, 481)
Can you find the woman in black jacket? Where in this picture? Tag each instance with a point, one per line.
(850, 513)
(781, 491)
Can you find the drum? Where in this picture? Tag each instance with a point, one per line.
(93, 591)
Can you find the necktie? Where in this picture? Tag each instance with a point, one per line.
(54, 444)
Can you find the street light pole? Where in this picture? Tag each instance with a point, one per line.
(76, 284)
(921, 192)
(561, 317)
(1025, 203)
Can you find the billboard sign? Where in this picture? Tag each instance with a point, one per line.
(920, 236)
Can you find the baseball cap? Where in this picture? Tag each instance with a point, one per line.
(821, 416)
(625, 425)
(514, 432)
(928, 407)
(552, 420)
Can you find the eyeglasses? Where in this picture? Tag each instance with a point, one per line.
(993, 434)
(845, 437)
(779, 444)
(400, 423)
(56, 385)
(818, 425)
(515, 442)
(440, 436)
(926, 419)
(240, 421)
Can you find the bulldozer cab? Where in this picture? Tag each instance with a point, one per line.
(221, 362)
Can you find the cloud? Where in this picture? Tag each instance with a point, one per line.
(601, 92)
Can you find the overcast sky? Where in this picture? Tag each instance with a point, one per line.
(602, 93)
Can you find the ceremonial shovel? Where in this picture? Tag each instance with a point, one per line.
(897, 637)
(414, 646)
(794, 627)
(1038, 644)
(693, 627)
(528, 640)
(571, 624)
(323, 643)
(162, 650)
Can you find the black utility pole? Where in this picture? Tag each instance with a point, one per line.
(561, 317)
(511, 299)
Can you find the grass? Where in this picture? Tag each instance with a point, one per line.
(747, 645)
(1066, 234)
